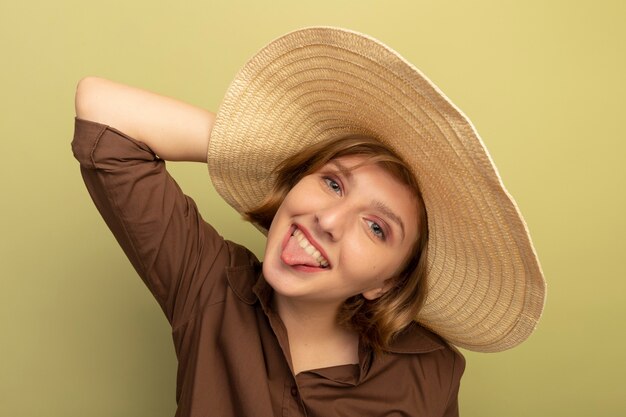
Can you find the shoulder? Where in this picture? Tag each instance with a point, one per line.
(242, 272)
(431, 351)
(437, 364)
(418, 339)
(240, 256)
(427, 368)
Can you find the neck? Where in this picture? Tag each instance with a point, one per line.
(311, 317)
(315, 338)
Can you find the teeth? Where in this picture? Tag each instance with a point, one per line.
(308, 248)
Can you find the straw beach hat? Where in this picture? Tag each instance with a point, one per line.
(485, 287)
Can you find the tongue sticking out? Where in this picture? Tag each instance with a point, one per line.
(294, 254)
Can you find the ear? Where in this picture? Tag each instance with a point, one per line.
(377, 292)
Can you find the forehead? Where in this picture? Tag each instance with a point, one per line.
(376, 182)
(366, 163)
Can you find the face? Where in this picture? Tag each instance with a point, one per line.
(341, 231)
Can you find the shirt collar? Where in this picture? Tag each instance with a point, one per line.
(248, 284)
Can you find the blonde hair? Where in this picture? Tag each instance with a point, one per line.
(376, 321)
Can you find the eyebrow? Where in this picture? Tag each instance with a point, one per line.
(377, 204)
(342, 168)
(382, 207)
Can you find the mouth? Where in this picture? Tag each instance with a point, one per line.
(309, 248)
(302, 252)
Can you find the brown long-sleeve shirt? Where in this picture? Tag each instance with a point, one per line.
(232, 349)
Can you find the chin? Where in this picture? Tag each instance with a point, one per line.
(283, 283)
(271, 274)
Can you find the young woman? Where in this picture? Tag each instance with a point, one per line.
(389, 234)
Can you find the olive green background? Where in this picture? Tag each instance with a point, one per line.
(543, 81)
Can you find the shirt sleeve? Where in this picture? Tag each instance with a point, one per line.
(159, 228)
(452, 408)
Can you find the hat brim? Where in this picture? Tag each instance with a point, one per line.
(485, 286)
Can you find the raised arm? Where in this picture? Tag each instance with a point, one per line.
(119, 132)
(174, 130)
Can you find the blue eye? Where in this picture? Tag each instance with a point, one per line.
(376, 230)
(332, 185)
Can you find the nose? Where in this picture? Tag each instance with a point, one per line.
(333, 219)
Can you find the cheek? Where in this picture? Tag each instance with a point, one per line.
(276, 232)
(369, 262)
(272, 232)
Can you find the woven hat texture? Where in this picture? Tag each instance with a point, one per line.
(486, 290)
